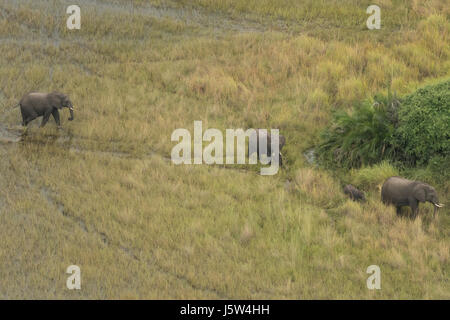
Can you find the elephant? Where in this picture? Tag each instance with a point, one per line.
(36, 104)
(403, 192)
(262, 134)
(354, 193)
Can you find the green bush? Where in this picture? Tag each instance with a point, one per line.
(361, 138)
(439, 167)
(423, 130)
(413, 131)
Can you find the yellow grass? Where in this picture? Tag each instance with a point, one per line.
(101, 194)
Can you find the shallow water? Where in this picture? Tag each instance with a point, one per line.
(10, 135)
(310, 156)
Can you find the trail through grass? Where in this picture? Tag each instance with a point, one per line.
(101, 193)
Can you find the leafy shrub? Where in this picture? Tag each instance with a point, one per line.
(361, 138)
(439, 167)
(411, 131)
(424, 125)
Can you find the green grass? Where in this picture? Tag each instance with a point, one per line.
(100, 193)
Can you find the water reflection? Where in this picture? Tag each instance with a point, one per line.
(310, 156)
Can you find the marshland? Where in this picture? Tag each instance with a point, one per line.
(101, 193)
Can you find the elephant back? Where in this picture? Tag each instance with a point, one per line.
(391, 185)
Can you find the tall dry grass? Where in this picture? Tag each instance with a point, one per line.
(100, 194)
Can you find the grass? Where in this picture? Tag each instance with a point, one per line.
(101, 194)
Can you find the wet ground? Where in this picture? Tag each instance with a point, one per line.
(10, 135)
(310, 156)
(14, 135)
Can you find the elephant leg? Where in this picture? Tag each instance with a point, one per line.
(414, 207)
(45, 119)
(28, 120)
(24, 117)
(55, 114)
(257, 150)
(398, 210)
(27, 117)
(280, 159)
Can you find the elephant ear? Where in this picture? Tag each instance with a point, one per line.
(57, 99)
(419, 192)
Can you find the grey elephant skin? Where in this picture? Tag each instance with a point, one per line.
(36, 104)
(400, 192)
(266, 136)
(354, 193)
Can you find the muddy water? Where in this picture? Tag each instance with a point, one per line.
(65, 140)
(80, 145)
(10, 135)
(310, 156)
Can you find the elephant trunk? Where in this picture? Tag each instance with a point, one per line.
(71, 114)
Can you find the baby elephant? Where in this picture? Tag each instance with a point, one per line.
(354, 193)
(36, 104)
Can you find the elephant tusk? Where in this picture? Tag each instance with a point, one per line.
(439, 205)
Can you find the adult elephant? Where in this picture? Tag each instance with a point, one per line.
(263, 134)
(403, 192)
(36, 104)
